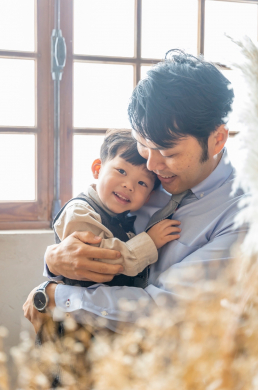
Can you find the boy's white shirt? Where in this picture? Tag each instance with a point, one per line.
(136, 254)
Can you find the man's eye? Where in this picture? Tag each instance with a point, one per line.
(172, 155)
(142, 183)
(122, 171)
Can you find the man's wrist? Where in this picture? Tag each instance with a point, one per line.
(50, 291)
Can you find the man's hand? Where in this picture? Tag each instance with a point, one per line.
(32, 314)
(74, 259)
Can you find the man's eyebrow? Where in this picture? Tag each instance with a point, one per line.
(173, 145)
(147, 146)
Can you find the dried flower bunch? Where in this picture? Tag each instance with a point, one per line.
(208, 342)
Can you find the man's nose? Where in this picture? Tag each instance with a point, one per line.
(155, 161)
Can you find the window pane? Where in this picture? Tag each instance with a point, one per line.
(232, 149)
(17, 167)
(17, 20)
(235, 79)
(101, 94)
(144, 70)
(234, 19)
(17, 92)
(168, 24)
(86, 149)
(104, 27)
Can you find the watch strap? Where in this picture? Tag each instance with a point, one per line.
(43, 286)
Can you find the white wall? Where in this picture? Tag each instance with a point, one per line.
(21, 262)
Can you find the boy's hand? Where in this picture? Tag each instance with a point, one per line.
(164, 231)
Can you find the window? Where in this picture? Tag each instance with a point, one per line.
(24, 115)
(114, 44)
(110, 46)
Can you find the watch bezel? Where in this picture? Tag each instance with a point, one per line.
(46, 297)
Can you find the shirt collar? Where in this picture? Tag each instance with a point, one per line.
(92, 193)
(218, 177)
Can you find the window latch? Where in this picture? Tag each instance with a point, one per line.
(58, 54)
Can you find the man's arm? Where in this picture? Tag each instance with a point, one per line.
(73, 258)
(206, 262)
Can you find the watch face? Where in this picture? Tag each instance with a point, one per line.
(40, 300)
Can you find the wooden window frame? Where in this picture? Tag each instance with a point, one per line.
(26, 215)
(36, 214)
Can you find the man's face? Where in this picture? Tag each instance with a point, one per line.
(179, 168)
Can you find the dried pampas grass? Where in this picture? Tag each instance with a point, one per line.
(244, 119)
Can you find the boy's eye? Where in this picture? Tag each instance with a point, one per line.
(142, 183)
(122, 171)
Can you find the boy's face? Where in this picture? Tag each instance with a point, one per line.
(122, 186)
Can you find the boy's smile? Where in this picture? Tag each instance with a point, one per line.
(123, 186)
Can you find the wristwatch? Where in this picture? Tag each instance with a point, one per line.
(40, 298)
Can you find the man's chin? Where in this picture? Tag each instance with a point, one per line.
(172, 189)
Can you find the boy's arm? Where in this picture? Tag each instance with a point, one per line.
(136, 254)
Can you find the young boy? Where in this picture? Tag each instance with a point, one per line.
(124, 185)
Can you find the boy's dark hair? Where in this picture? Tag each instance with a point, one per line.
(182, 95)
(120, 142)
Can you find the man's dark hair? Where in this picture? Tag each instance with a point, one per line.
(181, 96)
(120, 142)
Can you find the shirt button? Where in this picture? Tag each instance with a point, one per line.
(67, 315)
(68, 303)
(104, 313)
(201, 195)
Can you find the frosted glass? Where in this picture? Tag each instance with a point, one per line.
(17, 31)
(104, 27)
(86, 149)
(234, 19)
(101, 94)
(17, 167)
(17, 92)
(168, 24)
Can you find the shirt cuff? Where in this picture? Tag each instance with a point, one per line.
(68, 298)
(144, 249)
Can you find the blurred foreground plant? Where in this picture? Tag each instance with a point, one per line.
(207, 342)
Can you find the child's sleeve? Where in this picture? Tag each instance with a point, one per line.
(136, 254)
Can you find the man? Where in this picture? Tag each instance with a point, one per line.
(178, 118)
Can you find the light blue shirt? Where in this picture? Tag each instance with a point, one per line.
(204, 247)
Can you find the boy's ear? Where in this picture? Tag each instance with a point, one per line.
(95, 168)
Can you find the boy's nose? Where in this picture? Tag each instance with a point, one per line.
(128, 185)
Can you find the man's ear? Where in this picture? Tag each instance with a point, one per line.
(95, 168)
(220, 137)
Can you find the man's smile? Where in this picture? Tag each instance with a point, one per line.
(166, 178)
